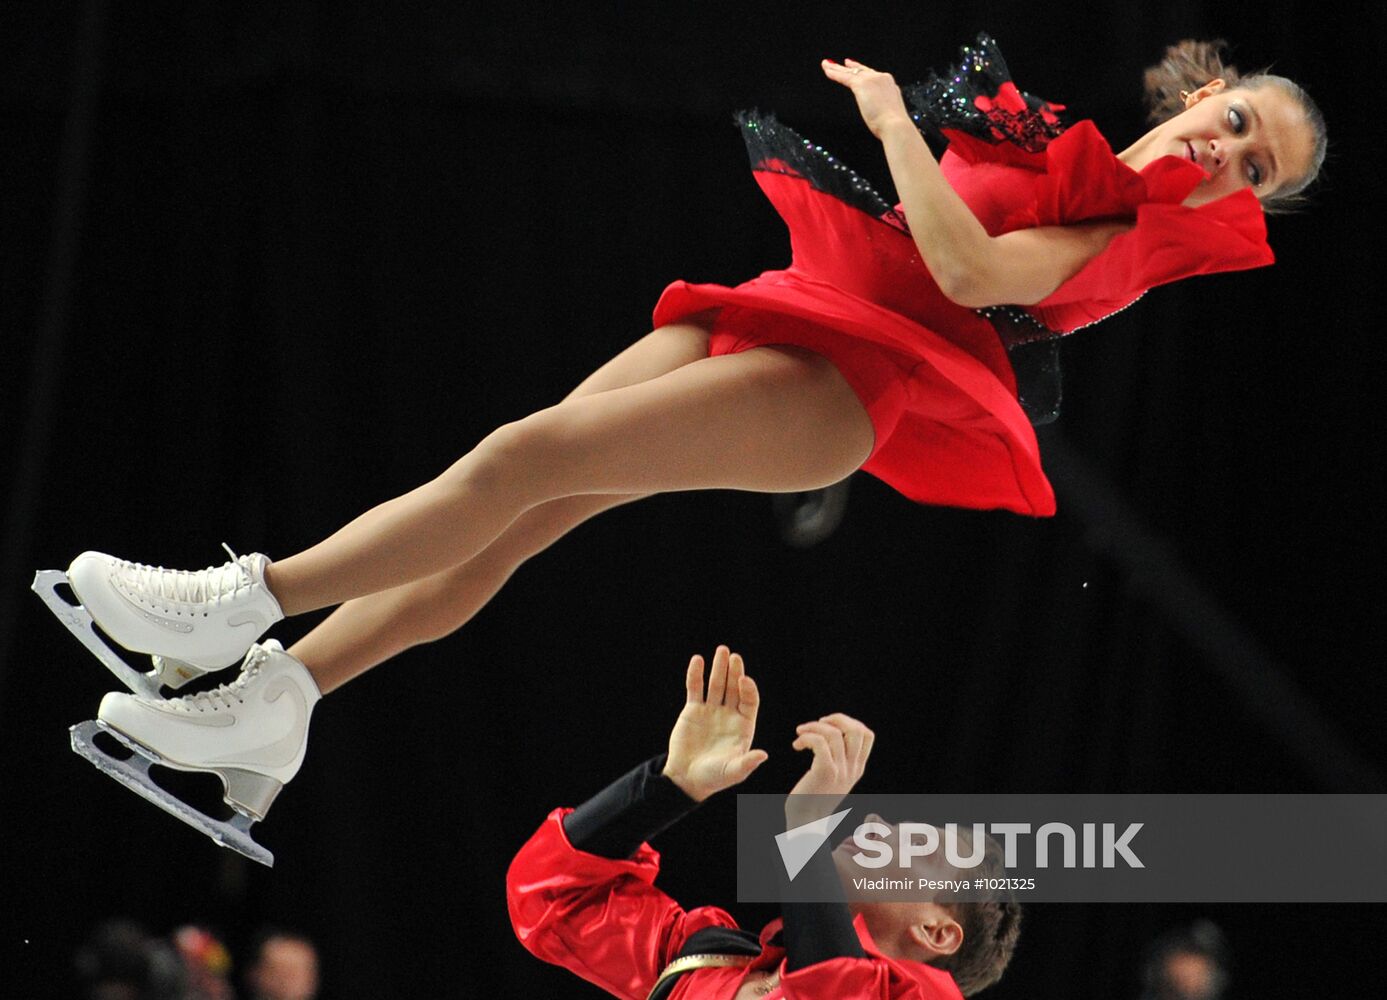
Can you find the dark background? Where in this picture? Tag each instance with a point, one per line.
(264, 265)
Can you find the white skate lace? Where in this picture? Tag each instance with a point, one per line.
(225, 695)
(180, 586)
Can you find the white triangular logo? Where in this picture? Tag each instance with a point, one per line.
(797, 846)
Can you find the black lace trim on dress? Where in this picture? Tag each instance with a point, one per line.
(1039, 379)
(1033, 350)
(777, 148)
(977, 97)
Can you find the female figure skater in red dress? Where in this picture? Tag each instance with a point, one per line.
(883, 347)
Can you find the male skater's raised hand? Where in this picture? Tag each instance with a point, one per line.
(710, 747)
(841, 746)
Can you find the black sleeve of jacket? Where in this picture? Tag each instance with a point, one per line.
(628, 812)
(816, 932)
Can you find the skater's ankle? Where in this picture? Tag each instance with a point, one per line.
(280, 586)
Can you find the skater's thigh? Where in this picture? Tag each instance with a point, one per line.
(657, 353)
(772, 419)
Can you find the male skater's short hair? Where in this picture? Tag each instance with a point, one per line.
(990, 932)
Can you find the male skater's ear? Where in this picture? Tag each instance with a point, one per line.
(710, 746)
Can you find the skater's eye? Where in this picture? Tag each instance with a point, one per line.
(1239, 119)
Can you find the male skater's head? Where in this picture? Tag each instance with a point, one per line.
(972, 941)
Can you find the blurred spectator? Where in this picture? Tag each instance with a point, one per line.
(120, 961)
(206, 964)
(284, 966)
(1189, 963)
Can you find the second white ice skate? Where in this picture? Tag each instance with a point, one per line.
(251, 733)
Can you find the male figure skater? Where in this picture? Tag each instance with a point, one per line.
(581, 891)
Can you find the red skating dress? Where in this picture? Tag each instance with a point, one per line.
(935, 376)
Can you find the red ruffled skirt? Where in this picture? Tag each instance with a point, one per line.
(933, 376)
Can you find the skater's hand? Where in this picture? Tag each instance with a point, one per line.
(710, 747)
(841, 746)
(878, 98)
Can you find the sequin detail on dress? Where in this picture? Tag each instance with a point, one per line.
(777, 148)
(977, 97)
(1033, 350)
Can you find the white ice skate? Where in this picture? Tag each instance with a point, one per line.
(192, 622)
(251, 733)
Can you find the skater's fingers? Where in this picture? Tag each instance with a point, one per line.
(848, 72)
(750, 698)
(852, 743)
(693, 681)
(814, 742)
(854, 736)
(833, 741)
(717, 680)
(844, 722)
(741, 768)
(836, 73)
(736, 673)
(832, 738)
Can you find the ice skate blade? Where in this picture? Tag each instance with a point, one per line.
(79, 623)
(134, 775)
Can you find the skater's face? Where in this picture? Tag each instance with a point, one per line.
(919, 930)
(1241, 138)
(931, 866)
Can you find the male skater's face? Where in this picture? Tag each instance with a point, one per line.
(917, 930)
(932, 866)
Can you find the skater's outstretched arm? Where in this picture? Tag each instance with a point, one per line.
(709, 750)
(819, 932)
(581, 891)
(971, 267)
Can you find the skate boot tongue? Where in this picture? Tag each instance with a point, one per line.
(226, 695)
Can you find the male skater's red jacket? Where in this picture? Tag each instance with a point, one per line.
(605, 920)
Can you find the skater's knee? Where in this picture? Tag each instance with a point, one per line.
(498, 468)
(517, 457)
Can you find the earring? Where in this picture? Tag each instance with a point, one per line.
(1184, 95)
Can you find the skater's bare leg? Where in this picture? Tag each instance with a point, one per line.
(769, 419)
(369, 630)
